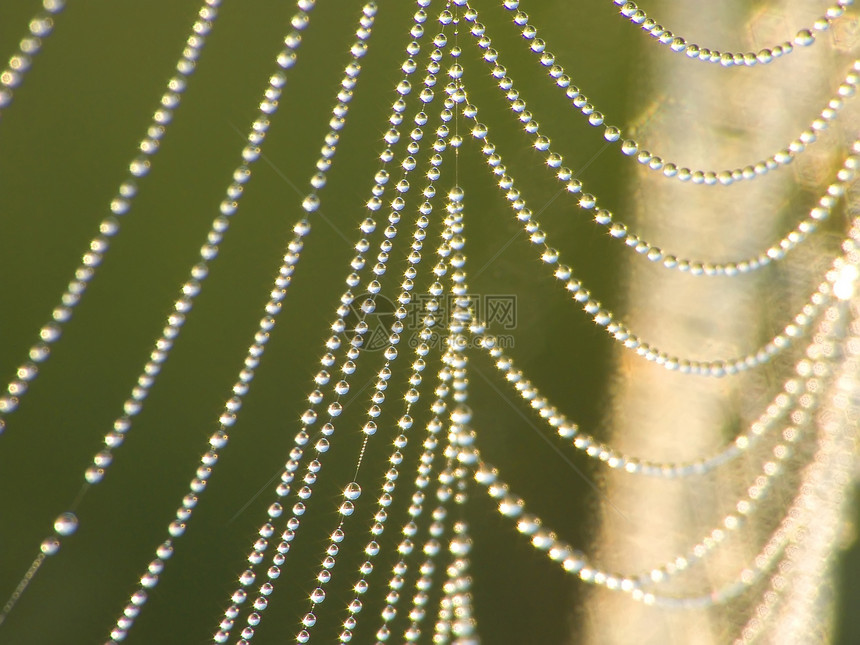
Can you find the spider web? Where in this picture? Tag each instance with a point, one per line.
(446, 563)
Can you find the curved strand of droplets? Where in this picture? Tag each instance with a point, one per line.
(110, 226)
(619, 231)
(577, 563)
(771, 469)
(780, 580)
(831, 494)
(66, 523)
(799, 513)
(798, 328)
(797, 395)
(512, 506)
(631, 147)
(193, 286)
(40, 27)
(803, 38)
(341, 387)
(805, 509)
(269, 105)
(782, 406)
(801, 416)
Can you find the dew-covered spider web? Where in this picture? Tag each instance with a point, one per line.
(434, 321)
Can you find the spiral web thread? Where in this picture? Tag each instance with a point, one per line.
(434, 466)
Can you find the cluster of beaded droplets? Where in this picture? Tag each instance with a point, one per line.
(429, 121)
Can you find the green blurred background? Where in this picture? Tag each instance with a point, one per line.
(64, 148)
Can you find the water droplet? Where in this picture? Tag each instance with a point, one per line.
(352, 491)
(804, 38)
(50, 546)
(139, 167)
(611, 133)
(311, 203)
(309, 417)
(542, 143)
(50, 332)
(66, 524)
(629, 147)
